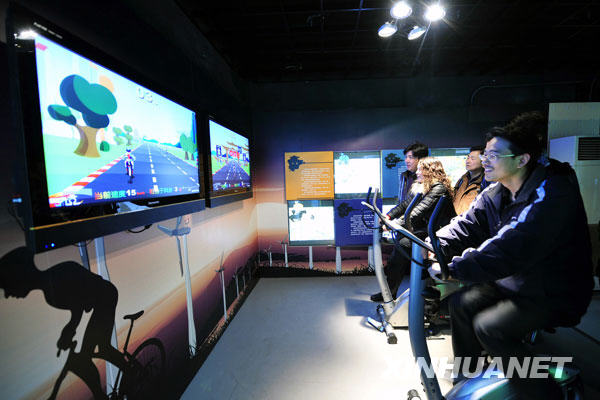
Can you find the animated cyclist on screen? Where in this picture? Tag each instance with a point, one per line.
(129, 160)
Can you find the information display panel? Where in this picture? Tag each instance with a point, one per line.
(453, 160)
(310, 222)
(355, 172)
(350, 230)
(309, 175)
(392, 165)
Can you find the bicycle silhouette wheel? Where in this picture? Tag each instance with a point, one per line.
(148, 370)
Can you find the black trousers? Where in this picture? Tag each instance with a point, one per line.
(484, 318)
(397, 266)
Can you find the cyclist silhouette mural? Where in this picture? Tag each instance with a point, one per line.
(69, 286)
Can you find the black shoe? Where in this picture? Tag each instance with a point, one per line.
(378, 297)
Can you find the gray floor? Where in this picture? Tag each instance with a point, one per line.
(306, 338)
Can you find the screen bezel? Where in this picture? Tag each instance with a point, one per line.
(216, 198)
(38, 215)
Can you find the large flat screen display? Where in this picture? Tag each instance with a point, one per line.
(102, 148)
(310, 222)
(229, 160)
(107, 138)
(354, 172)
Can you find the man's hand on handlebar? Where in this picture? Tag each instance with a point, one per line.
(384, 226)
(435, 272)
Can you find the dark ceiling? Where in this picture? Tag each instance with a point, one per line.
(296, 40)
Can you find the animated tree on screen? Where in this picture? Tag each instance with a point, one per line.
(107, 138)
(230, 159)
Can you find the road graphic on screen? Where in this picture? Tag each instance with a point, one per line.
(155, 171)
(231, 175)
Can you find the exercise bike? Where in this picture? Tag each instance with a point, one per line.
(493, 387)
(393, 312)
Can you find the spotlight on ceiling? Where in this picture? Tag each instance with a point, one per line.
(27, 35)
(401, 10)
(416, 32)
(387, 30)
(434, 12)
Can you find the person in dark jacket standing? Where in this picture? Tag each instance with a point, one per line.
(412, 155)
(468, 186)
(526, 247)
(433, 183)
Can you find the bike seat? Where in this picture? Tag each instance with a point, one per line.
(135, 316)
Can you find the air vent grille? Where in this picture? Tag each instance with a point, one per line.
(588, 149)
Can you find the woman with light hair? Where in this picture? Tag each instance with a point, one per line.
(433, 183)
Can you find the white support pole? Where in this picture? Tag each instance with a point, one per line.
(222, 277)
(111, 370)
(83, 253)
(270, 258)
(285, 254)
(338, 260)
(310, 260)
(370, 262)
(188, 296)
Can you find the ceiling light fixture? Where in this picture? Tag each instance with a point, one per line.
(416, 32)
(435, 12)
(401, 10)
(387, 30)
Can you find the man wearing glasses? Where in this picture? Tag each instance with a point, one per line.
(525, 246)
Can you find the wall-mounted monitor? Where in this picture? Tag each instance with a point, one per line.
(229, 162)
(96, 138)
(354, 172)
(310, 222)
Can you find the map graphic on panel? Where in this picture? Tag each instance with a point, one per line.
(392, 165)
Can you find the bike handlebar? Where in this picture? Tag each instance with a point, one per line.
(394, 226)
(435, 241)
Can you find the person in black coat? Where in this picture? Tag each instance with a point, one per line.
(433, 183)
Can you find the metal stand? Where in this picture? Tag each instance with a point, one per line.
(284, 244)
(83, 253)
(221, 272)
(370, 263)
(310, 260)
(184, 268)
(111, 370)
(338, 260)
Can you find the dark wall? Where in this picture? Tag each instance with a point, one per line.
(392, 113)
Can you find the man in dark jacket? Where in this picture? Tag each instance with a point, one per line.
(468, 186)
(412, 155)
(524, 244)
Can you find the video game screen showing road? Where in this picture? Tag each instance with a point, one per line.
(354, 172)
(229, 160)
(310, 222)
(106, 138)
